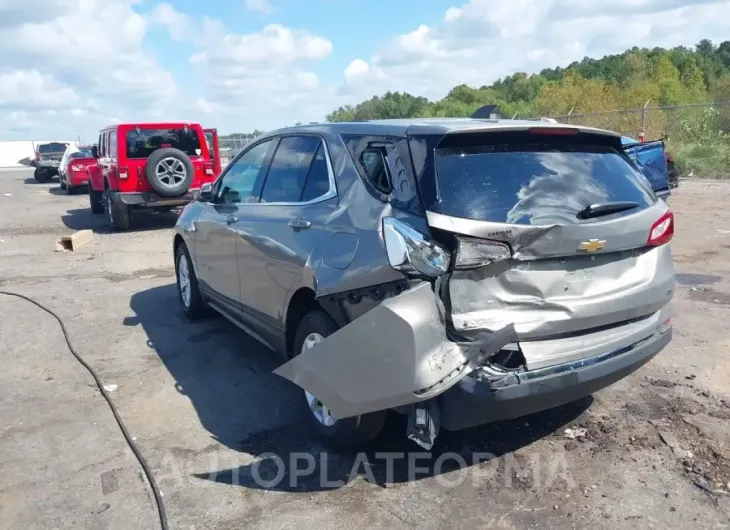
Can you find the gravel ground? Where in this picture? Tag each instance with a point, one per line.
(208, 414)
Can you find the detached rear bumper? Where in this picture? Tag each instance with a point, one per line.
(148, 199)
(481, 397)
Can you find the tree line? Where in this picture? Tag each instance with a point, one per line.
(628, 80)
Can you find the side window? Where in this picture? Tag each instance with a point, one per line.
(289, 169)
(318, 179)
(237, 185)
(376, 168)
(102, 145)
(113, 144)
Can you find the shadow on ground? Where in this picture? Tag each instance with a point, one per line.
(228, 378)
(142, 220)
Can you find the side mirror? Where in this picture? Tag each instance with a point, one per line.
(206, 193)
(94, 151)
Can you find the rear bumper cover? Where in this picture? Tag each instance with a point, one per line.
(481, 398)
(149, 199)
(399, 354)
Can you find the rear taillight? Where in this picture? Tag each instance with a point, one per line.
(123, 172)
(209, 169)
(662, 230)
(475, 253)
(411, 252)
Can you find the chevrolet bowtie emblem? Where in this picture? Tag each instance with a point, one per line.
(592, 245)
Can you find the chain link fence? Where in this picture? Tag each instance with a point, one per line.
(697, 136)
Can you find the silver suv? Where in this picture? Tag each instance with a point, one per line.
(457, 271)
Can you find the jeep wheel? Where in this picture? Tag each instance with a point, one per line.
(169, 171)
(118, 214)
(41, 175)
(96, 200)
(357, 430)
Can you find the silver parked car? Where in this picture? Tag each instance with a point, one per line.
(458, 271)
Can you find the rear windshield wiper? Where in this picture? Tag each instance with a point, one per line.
(605, 208)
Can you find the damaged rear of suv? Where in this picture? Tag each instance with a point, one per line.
(460, 271)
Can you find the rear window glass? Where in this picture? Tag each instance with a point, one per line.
(52, 148)
(533, 184)
(143, 142)
(82, 154)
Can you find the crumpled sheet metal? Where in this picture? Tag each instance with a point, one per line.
(396, 354)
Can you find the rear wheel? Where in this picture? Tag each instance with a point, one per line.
(358, 430)
(41, 175)
(96, 200)
(62, 183)
(118, 214)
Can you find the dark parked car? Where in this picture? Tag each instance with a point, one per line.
(456, 271)
(655, 162)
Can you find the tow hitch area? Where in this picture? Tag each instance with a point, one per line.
(396, 354)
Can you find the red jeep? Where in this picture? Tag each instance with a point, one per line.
(151, 165)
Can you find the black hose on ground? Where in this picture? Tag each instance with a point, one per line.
(117, 417)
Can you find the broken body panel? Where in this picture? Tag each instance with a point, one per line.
(556, 302)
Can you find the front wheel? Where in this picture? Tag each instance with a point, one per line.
(357, 430)
(188, 290)
(96, 201)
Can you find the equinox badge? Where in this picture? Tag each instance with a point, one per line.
(592, 245)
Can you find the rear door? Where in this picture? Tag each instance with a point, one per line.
(279, 233)
(558, 234)
(211, 137)
(650, 158)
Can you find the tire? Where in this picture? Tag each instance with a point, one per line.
(118, 214)
(96, 201)
(62, 183)
(41, 175)
(169, 164)
(192, 303)
(357, 430)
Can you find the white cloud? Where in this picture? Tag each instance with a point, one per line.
(69, 67)
(482, 40)
(177, 24)
(259, 6)
(83, 60)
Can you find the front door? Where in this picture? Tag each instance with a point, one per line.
(215, 229)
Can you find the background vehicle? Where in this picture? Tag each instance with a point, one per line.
(47, 159)
(64, 159)
(655, 163)
(152, 165)
(73, 173)
(457, 271)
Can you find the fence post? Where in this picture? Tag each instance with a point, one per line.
(642, 134)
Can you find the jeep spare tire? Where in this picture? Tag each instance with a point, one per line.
(169, 171)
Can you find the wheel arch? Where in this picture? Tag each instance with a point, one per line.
(301, 302)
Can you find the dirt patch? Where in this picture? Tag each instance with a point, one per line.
(700, 293)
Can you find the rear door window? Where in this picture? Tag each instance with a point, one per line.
(141, 143)
(290, 166)
(533, 184)
(54, 147)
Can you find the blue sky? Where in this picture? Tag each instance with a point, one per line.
(69, 67)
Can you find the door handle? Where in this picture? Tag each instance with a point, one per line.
(300, 223)
(231, 219)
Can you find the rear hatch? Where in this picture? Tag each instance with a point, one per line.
(142, 141)
(51, 152)
(554, 230)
